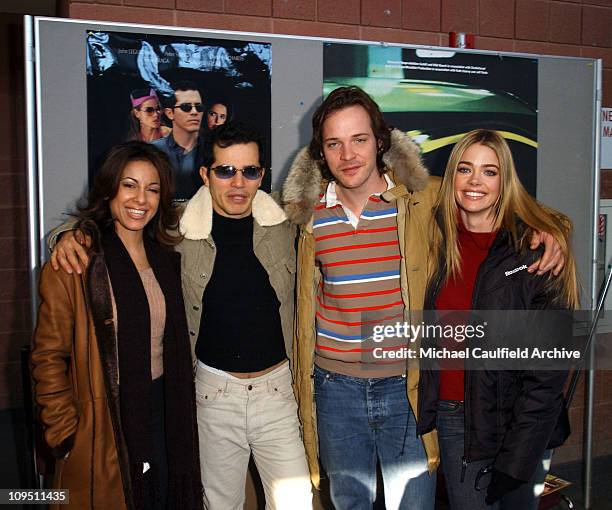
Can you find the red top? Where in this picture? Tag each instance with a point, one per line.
(456, 294)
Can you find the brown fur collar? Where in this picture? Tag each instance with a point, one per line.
(303, 185)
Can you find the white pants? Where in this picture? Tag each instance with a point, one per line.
(237, 417)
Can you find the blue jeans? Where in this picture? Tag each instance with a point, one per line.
(463, 495)
(359, 422)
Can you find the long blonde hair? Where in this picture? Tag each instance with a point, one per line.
(512, 204)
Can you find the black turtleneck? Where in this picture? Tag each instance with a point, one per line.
(240, 329)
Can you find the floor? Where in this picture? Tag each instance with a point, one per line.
(14, 467)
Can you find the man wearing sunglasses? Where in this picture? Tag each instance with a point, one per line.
(185, 110)
(238, 276)
(238, 265)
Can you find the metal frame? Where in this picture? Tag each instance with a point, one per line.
(32, 167)
(35, 164)
(587, 463)
(31, 146)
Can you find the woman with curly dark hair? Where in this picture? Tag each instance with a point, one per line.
(111, 357)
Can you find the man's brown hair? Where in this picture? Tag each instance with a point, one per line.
(339, 99)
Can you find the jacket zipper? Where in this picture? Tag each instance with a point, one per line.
(300, 251)
(467, 380)
(466, 419)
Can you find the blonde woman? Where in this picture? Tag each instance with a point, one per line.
(495, 428)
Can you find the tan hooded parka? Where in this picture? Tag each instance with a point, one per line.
(415, 194)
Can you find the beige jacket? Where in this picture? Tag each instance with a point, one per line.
(415, 194)
(273, 243)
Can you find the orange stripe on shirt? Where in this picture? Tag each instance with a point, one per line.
(358, 309)
(323, 206)
(358, 231)
(360, 294)
(361, 261)
(356, 247)
(346, 323)
(333, 349)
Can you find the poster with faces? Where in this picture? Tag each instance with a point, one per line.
(438, 95)
(171, 92)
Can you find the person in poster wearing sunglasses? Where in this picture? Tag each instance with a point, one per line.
(238, 274)
(185, 110)
(145, 117)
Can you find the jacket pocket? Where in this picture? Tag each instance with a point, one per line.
(64, 448)
(282, 278)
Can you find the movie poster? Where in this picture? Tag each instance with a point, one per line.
(439, 95)
(171, 91)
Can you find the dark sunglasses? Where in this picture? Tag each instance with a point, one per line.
(250, 172)
(186, 107)
(150, 110)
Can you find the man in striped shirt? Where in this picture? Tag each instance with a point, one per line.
(351, 277)
(359, 260)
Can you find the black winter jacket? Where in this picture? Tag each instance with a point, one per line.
(511, 416)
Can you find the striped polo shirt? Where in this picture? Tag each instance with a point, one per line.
(359, 260)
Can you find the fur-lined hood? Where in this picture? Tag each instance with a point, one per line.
(303, 185)
(196, 221)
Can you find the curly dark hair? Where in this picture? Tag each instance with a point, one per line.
(339, 99)
(94, 214)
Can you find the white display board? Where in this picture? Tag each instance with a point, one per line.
(568, 109)
(606, 138)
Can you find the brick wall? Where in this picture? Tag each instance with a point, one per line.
(602, 435)
(572, 27)
(14, 278)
